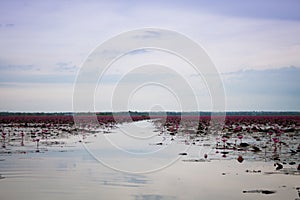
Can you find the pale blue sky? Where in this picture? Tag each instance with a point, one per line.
(255, 46)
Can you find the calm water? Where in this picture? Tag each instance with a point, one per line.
(128, 164)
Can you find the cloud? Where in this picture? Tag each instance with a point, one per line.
(45, 43)
(4, 67)
(231, 32)
(36, 97)
(149, 35)
(35, 74)
(270, 89)
(66, 66)
(283, 81)
(138, 51)
(268, 9)
(7, 25)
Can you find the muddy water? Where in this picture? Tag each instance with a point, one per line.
(98, 166)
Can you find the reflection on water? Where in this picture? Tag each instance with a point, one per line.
(70, 172)
(122, 151)
(152, 197)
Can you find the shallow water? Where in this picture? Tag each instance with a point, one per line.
(97, 166)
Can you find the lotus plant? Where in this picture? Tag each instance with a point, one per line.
(3, 138)
(224, 139)
(22, 138)
(37, 140)
(275, 140)
(240, 138)
(270, 134)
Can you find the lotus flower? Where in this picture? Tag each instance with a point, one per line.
(240, 137)
(240, 159)
(275, 140)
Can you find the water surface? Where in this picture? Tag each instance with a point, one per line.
(69, 171)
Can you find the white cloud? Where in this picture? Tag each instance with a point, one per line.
(36, 97)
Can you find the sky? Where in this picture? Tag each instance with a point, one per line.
(254, 45)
